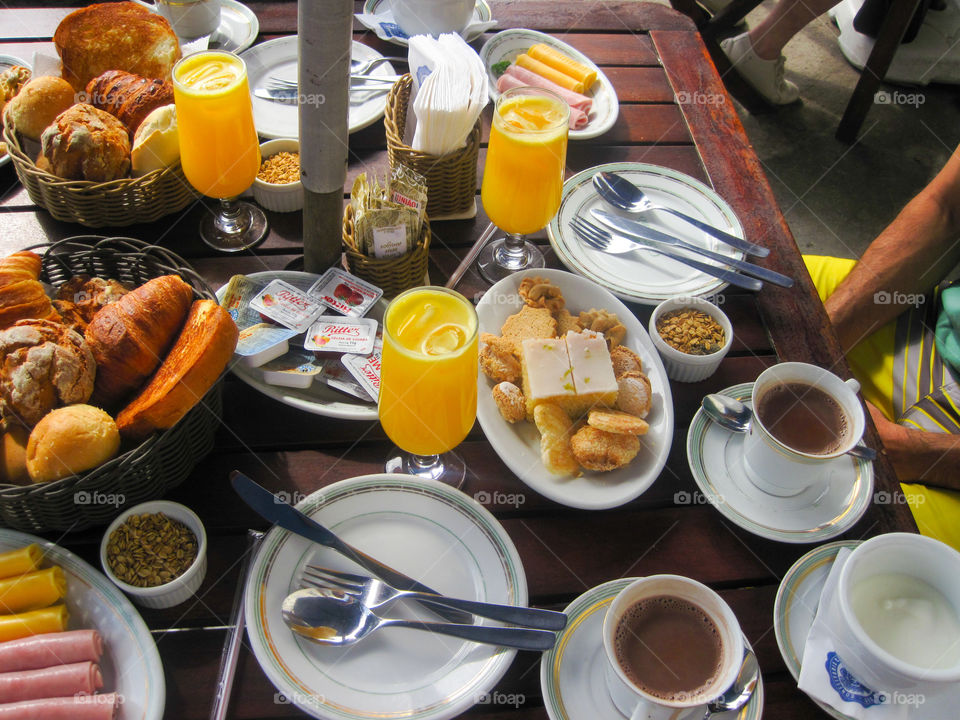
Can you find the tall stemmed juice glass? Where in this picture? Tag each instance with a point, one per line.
(219, 149)
(523, 176)
(428, 381)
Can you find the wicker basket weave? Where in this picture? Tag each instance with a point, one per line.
(451, 178)
(107, 204)
(139, 473)
(392, 275)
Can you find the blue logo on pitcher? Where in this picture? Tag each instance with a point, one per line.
(848, 687)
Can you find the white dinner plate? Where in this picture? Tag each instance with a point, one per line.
(572, 673)
(506, 45)
(8, 61)
(392, 32)
(130, 663)
(645, 276)
(425, 529)
(318, 398)
(278, 58)
(837, 499)
(518, 444)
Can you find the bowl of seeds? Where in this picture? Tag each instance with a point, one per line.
(156, 552)
(692, 336)
(277, 186)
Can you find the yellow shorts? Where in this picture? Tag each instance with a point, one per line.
(936, 511)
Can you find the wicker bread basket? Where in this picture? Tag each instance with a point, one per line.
(392, 275)
(95, 204)
(142, 472)
(451, 178)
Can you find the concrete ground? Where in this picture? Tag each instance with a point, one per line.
(837, 197)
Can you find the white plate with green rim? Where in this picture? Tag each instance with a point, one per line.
(829, 507)
(130, 664)
(518, 444)
(645, 276)
(391, 32)
(572, 673)
(425, 529)
(506, 45)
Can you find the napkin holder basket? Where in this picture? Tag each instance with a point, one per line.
(392, 275)
(451, 178)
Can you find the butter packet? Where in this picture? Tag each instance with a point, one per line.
(336, 376)
(345, 293)
(260, 343)
(283, 303)
(295, 369)
(342, 335)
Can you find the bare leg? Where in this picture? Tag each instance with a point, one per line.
(786, 19)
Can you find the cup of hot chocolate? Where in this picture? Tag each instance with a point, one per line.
(804, 417)
(672, 645)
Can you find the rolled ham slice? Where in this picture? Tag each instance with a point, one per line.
(74, 679)
(41, 651)
(84, 707)
(580, 105)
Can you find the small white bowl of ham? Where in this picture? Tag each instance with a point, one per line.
(179, 588)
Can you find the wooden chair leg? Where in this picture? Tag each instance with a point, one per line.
(884, 47)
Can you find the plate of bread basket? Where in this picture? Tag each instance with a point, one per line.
(111, 355)
(98, 144)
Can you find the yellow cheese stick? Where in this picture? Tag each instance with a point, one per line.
(567, 65)
(20, 561)
(35, 622)
(32, 590)
(544, 70)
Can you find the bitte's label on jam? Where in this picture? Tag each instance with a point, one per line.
(342, 335)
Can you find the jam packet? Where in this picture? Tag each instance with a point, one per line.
(345, 293)
(282, 302)
(365, 369)
(342, 335)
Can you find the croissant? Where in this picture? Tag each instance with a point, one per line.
(130, 337)
(128, 97)
(21, 294)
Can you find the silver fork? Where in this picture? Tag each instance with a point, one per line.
(599, 239)
(375, 593)
(275, 83)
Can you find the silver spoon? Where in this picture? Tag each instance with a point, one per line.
(733, 415)
(624, 195)
(738, 694)
(332, 617)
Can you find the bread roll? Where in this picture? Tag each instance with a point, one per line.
(194, 363)
(21, 294)
(129, 338)
(69, 440)
(13, 469)
(156, 144)
(38, 103)
(115, 36)
(128, 97)
(11, 80)
(84, 143)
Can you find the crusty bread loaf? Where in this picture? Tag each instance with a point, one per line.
(84, 143)
(129, 338)
(69, 440)
(21, 294)
(196, 360)
(115, 36)
(128, 97)
(38, 103)
(11, 81)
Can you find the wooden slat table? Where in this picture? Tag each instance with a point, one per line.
(653, 56)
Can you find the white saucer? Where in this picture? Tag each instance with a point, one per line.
(828, 508)
(238, 28)
(572, 673)
(796, 607)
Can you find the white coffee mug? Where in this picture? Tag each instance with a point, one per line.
(633, 701)
(190, 19)
(432, 17)
(778, 469)
(893, 556)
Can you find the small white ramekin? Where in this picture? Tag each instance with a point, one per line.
(681, 366)
(272, 196)
(179, 589)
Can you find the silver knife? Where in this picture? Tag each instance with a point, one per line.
(632, 228)
(278, 512)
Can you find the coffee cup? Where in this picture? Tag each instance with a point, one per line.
(895, 615)
(432, 17)
(804, 417)
(672, 645)
(190, 19)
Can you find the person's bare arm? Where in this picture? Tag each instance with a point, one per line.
(908, 258)
(928, 457)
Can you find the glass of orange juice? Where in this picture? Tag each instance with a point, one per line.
(428, 381)
(523, 176)
(219, 149)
